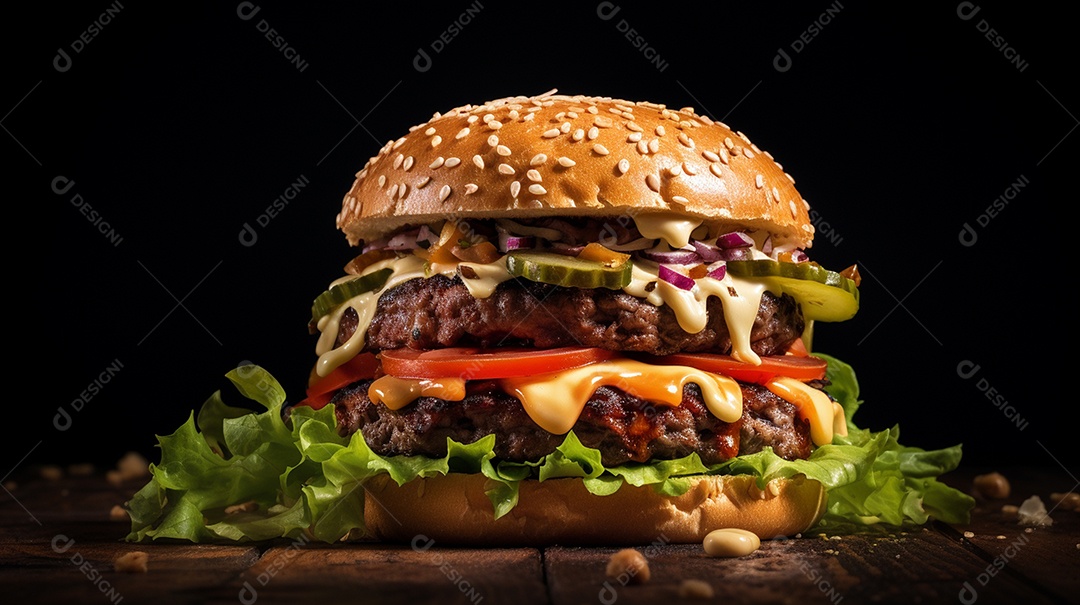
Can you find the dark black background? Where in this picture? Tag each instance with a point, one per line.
(180, 124)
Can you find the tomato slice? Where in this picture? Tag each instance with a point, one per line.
(803, 368)
(361, 367)
(478, 364)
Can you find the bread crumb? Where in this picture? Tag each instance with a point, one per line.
(969, 534)
(80, 470)
(1033, 512)
(630, 565)
(1069, 501)
(695, 589)
(133, 466)
(132, 562)
(1010, 511)
(52, 472)
(246, 507)
(118, 513)
(10, 485)
(992, 485)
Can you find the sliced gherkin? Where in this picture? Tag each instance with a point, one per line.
(335, 296)
(824, 295)
(570, 271)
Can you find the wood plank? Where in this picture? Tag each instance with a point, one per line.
(1046, 557)
(341, 573)
(923, 566)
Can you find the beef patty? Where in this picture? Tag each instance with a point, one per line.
(623, 427)
(440, 312)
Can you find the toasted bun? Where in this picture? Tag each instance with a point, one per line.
(555, 155)
(453, 509)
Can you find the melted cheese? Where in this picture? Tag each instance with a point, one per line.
(813, 405)
(674, 229)
(554, 401)
(396, 393)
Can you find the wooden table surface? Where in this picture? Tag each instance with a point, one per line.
(58, 545)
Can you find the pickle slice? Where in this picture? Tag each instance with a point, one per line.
(329, 300)
(824, 295)
(570, 271)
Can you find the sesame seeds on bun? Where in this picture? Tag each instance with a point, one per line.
(557, 155)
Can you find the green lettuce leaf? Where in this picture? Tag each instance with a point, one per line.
(235, 474)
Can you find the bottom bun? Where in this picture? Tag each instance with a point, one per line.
(453, 509)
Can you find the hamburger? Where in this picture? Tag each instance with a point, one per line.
(568, 319)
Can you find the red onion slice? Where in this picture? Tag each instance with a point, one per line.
(671, 257)
(707, 252)
(717, 270)
(675, 278)
(405, 240)
(735, 239)
(737, 254)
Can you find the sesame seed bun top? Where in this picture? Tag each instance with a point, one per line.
(557, 155)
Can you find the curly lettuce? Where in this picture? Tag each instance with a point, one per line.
(236, 474)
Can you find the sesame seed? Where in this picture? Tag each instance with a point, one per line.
(791, 205)
(642, 147)
(479, 161)
(685, 140)
(537, 190)
(759, 181)
(462, 133)
(566, 162)
(776, 193)
(708, 155)
(653, 182)
(603, 121)
(399, 142)
(551, 134)
(579, 134)
(538, 159)
(470, 188)
(593, 133)
(382, 181)
(572, 115)
(724, 156)
(675, 170)
(654, 145)
(435, 140)
(493, 140)
(789, 177)
(494, 125)
(528, 117)
(472, 119)
(689, 169)
(438, 162)
(408, 164)
(715, 169)
(451, 162)
(515, 188)
(599, 149)
(624, 165)
(430, 131)
(678, 199)
(393, 191)
(749, 154)
(506, 169)
(634, 126)
(397, 161)
(488, 117)
(565, 127)
(423, 182)
(634, 137)
(402, 191)
(503, 150)
(534, 175)
(660, 130)
(592, 109)
(444, 193)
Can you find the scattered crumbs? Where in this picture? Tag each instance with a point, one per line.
(897, 556)
(1033, 512)
(118, 513)
(81, 470)
(969, 534)
(630, 564)
(132, 562)
(10, 486)
(131, 466)
(1010, 511)
(1028, 530)
(1000, 537)
(695, 589)
(52, 472)
(835, 538)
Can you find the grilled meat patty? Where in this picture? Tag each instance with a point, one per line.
(440, 312)
(623, 427)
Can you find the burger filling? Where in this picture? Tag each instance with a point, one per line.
(643, 290)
